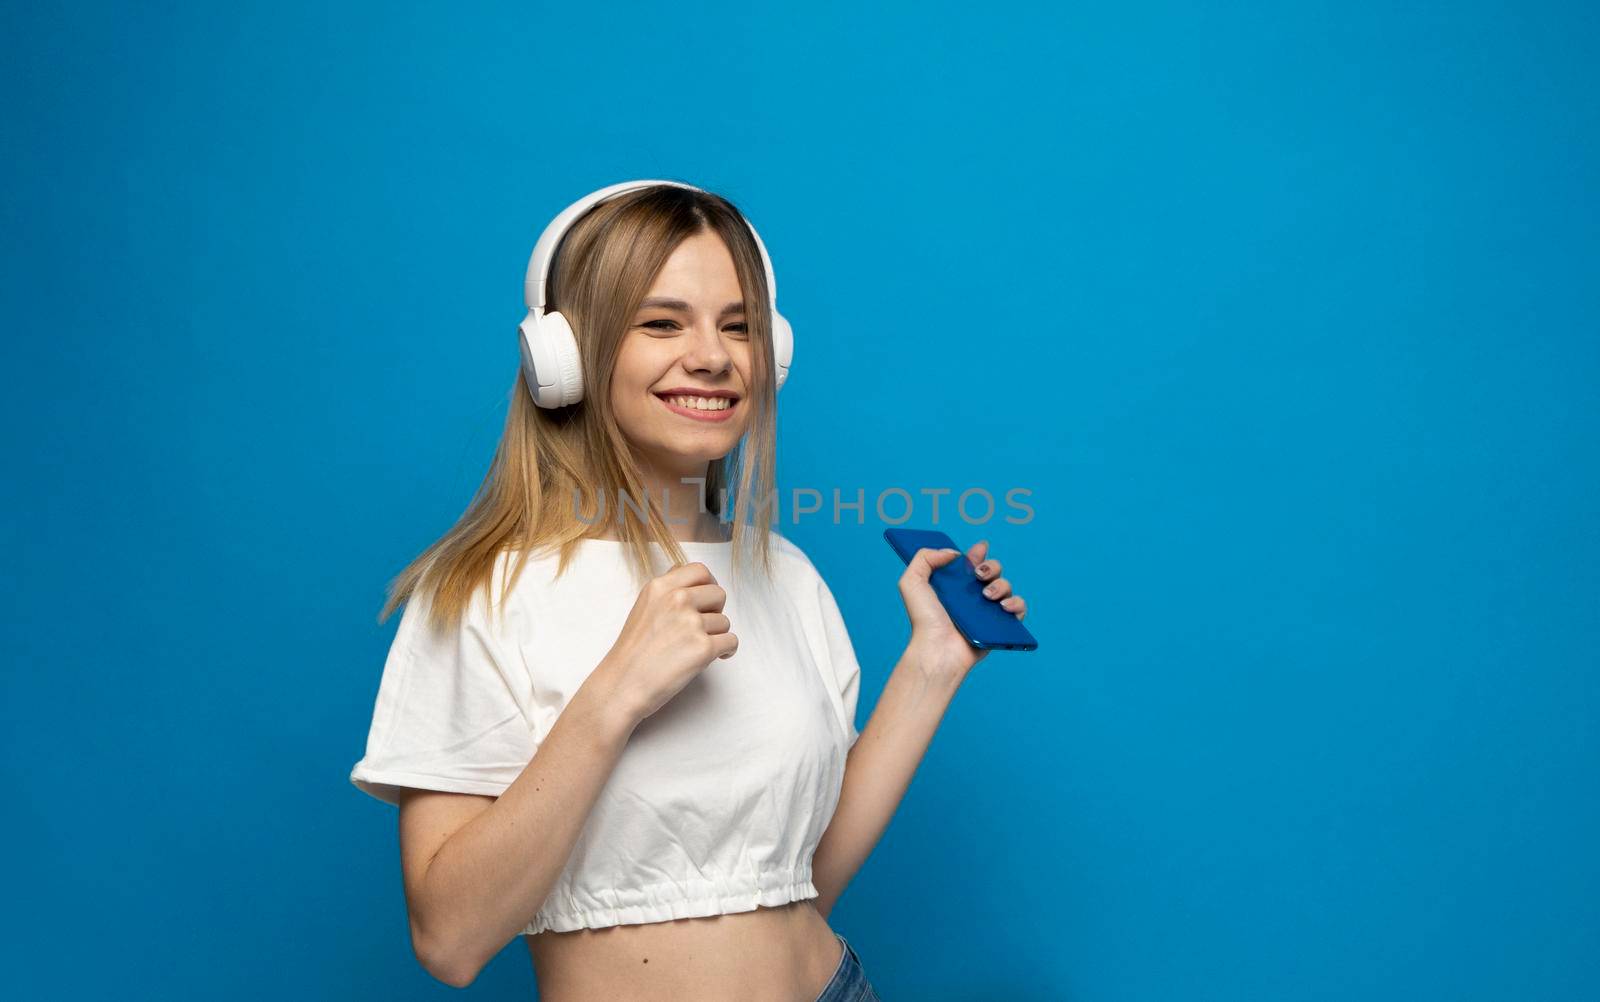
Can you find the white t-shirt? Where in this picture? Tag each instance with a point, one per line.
(719, 798)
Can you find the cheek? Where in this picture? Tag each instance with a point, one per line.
(744, 360)
(627, 391)
(634, 374)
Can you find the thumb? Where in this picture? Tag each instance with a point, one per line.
(927, 560)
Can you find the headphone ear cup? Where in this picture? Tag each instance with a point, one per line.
(782, 348)
(550, 360)
(568, 364)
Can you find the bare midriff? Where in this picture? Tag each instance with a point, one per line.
(782, 954)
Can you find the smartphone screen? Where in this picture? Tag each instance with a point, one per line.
(982, 620)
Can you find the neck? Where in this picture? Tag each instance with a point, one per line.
(681, 506)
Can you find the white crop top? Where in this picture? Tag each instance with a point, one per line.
(719, 798)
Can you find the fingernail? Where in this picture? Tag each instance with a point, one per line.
(989, 591)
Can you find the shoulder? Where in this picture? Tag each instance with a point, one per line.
(799, 574)
(790, 560)
(494, 600)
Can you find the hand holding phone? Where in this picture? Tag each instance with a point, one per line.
(978, 618)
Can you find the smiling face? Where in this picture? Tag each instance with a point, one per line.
(688, 336)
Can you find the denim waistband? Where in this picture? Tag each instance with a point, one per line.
(849, 982)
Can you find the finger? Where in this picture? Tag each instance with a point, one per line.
(977, 551)
(715, 622)
(997, 589)
(1014, 604)
(725, 644)
(707, 597)
(987, 569)
(693, 573)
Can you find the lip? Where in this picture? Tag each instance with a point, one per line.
(695, 391)
(713, 417)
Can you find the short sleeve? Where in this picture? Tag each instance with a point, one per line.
(450, 714)
(841, 657)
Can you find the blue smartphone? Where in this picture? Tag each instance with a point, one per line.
(982, 620)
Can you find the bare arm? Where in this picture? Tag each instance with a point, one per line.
(935, 662)
(879, 771)
(477, 868)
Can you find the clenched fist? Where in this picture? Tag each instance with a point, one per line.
(673, 632)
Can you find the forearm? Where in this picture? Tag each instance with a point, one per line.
(879, 771)
(491, 876)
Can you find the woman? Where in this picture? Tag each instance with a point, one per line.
(660, 766)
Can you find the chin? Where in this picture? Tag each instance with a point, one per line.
(694, 456)
(688, 458)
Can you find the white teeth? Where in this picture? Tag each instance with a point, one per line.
(702, 403)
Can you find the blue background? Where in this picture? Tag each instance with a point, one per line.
(1288, 318)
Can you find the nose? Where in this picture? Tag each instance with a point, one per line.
(705, 352)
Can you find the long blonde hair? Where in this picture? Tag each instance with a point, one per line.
(549, 459)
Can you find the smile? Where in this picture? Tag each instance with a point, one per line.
(699, 408)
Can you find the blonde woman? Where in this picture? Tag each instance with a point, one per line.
(618, 714)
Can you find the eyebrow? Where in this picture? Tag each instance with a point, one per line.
(683, 307)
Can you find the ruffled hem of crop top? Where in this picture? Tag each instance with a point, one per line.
(565, 911)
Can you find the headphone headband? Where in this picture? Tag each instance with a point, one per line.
(537, 282)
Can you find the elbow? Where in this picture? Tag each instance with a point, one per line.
(457, 979)
(445, 964)
(447, 969)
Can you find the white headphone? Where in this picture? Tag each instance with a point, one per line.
(550, 364)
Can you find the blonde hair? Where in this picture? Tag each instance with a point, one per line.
(548, 459)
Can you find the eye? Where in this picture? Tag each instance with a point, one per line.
(741, 329)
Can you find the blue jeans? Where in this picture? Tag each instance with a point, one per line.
(849, 982)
